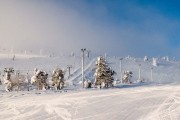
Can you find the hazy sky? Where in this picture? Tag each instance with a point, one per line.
(117, 27)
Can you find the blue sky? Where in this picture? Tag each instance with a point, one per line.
(117, 27)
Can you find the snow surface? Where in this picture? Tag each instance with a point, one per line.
(156, 99)
(135, 103)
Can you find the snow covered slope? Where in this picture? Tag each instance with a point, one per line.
(138, 103)
(165, 72)
(156, 99)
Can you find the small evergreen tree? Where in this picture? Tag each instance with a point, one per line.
(167, 58)
(145, 58)
(88, 84)
(58, 79)
(127, 77)
(40, 79)
(154, 62)
(103, 73)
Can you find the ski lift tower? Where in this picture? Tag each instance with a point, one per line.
(83, 50)
(69, 69)
(139, 72)
(121, 68)
(151, 74)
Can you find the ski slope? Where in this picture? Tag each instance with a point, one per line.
(156, 99)
(139, 103)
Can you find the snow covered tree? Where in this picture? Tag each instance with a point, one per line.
(103, 74)
(72, 54)
(88, 84)
(127, 77)
(166, 58)
(7, 79)
(40, 79)
(58, 79)
(154, 62)
(145, 58)
(13, 81)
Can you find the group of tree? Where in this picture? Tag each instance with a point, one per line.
(39, 79)
(103, 77)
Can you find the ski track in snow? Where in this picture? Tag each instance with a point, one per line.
(140, 103)
(169, 109)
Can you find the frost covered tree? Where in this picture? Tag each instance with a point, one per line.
(145, 58)
(7, 79)
(103, 74)
(154, 62)
(58, 79)
(166, 58)
(88, 84)
(127, 77)
(40, 79)
(13, 81)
